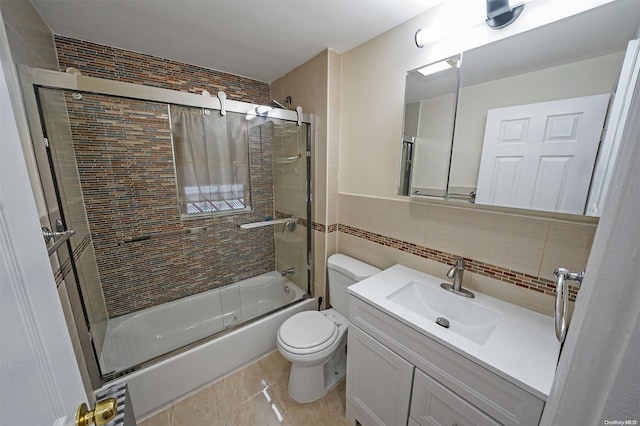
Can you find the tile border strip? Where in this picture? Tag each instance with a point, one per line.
(509, 276)
(65, 268)
(324, 228)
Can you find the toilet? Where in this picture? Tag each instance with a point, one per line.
(315, 342)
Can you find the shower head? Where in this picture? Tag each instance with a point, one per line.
(276, 104)
(286, 101)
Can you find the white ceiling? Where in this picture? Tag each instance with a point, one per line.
(261, 39)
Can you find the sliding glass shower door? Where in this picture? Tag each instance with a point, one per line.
(182, 215)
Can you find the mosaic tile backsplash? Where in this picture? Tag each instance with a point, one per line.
(508, 276)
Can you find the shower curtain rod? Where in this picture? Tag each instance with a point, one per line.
(62, 80)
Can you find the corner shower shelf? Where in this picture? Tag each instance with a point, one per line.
(286, 129)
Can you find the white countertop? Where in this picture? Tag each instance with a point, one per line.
(522, 349)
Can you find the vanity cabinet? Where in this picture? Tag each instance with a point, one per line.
(382, 392)
(434, 404)
(397, 376)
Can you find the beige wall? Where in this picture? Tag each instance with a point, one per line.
(373, 76)
(514, 241)
(29, 36)
(316, 87)
(30, 43)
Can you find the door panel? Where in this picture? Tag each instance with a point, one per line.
(541, 156)
(505, 179)
(381, 398)
(77, 263)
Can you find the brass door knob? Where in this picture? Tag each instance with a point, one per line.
(104, 412)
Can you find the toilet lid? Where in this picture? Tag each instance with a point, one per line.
(308, 329)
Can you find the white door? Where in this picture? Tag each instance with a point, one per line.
(541, 156)
(40, 382)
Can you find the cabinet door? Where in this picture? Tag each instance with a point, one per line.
(378, 382)
(434, 405)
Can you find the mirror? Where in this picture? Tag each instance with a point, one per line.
(567, 61)
(430, 106)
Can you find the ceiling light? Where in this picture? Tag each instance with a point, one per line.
(440, 66)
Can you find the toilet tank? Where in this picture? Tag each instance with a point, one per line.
(343, 272)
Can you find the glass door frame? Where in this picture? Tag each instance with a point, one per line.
(32, 79)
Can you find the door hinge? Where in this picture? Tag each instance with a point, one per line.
(603, 134)
(46, 142)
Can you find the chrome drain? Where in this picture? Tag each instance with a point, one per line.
(442, 321)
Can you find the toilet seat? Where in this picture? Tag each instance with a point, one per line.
(307, 333)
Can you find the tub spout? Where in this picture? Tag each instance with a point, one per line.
(289, 271)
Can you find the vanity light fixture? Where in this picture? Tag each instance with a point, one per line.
(418, 43)
(500, 14)
(440, 66)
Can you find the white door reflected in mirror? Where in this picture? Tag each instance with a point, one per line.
(541, 156)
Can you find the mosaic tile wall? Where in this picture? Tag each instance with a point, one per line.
(125, 161)
(96, 60)
(123, 151)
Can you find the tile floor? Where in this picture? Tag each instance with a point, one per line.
(256, 395)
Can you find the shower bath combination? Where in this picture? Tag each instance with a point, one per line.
(156, 208)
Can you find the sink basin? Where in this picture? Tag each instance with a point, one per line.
(466, 317)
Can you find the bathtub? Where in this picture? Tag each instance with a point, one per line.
(138, 337)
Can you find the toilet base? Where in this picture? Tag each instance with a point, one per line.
(310, 383)
(335, 370)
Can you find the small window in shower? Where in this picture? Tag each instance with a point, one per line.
(211, 161)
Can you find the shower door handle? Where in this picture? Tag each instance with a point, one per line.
(60, 233)
(48, 234)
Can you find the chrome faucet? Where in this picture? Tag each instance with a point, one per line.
(456, 272)
(289, 271)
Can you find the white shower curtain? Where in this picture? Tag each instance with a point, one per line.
(211, 154)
